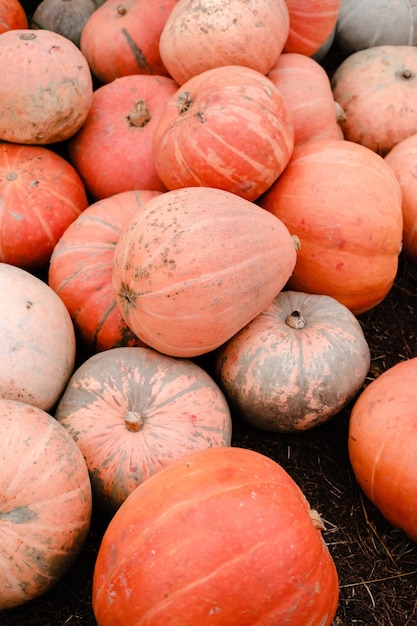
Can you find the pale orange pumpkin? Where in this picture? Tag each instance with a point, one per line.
(133, 411)
(343, 202)
(46, 502)
(311, 23)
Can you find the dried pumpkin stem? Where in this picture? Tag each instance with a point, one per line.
(134, 421)
(183, 102)
(316, 519)
(295, 320)
(139, 115)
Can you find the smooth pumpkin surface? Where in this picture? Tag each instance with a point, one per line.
(376, 89)
(203, 34)
(296, 365)
(343, 202)
(45, 89)
(12, 15)
(41, 194)
(382, 444)
(196, 265)
(311, 23)
(193, 545)
(45, 506)
(66, 17)
(202, 136)
(133, 411)
(37, 339)
(81, 266)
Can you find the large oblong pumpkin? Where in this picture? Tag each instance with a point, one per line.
(196, 265)
(223, 536)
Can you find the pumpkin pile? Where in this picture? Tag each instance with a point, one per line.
(193, 217)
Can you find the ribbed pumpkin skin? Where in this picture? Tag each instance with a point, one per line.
(46, 87)
(41, 194)
(202, 135)
(133, 411)
(311, 23)
(283, 376)
(383, 446)
(343, 202)
(37, 339)
(45, 502)
(196, 265)
(222, 537)
(81, 266)
(66, 17)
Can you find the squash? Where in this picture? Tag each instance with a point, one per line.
(343, 202)
(41, 194)
(402, 158)
(307, 92)
(45, 89)
(112, 151)
(296, 365)
(80, 271)
(200, 35)
(201, 137)
(196, 265)
(382, 444)
(46, 502)
(66, 17)
(37, 340)
(133, 411)
(122, 38)
(193, 545)
(311, 23)
(12, 15)
(376, 89)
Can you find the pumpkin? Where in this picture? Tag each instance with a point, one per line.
(133, 411)
(362, 25)
(12, 15)
(66, 17)
(112, 151)
(307, 92)
(80, 270)
(402, 158)
(382, 444)
(193, 545)
(343, 202)
(196, 265)
(45, 88)
(200, 35)
(45, 502)
(296, 365)
(376, 89)
(41, 194)
(37, 340)
(311, 24)
(122, 38)
(201, 137)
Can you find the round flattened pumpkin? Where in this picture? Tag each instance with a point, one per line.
(133, 411)
(223, 536)
(196, 265)
(46, 502)
(296, 365)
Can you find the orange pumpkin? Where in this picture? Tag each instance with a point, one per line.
(202, 136)
(196, 265)
(122, 38)
(45, 89)
(343, 202)
(203, 34)
(112, 151)
(296, 365)
(12, 15)
(383, 444)
(80, 270)
(311, 23)
(133, 411)
(41, 194)
(193, 545)
(37, 339)
(402, 158)
(376, 89)
(308, 95)
(45, 502)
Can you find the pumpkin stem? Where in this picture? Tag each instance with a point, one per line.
(121, 9)
(316, 519)
(139, 115)
(134, 421)
(183, 102)
(295, 320)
